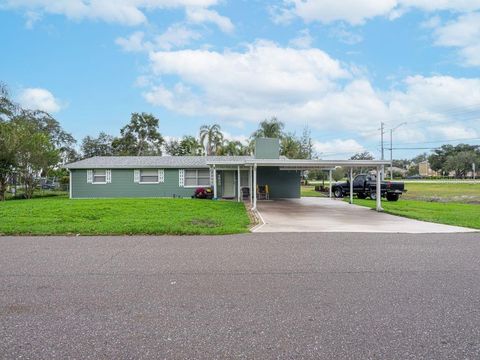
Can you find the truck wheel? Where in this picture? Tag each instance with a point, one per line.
(373, 194)
(338, 192)
(392, 197)
(361, 195)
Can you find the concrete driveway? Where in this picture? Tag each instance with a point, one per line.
(329, 215)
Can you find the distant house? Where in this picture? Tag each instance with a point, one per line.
(425, 170)
(179, 176)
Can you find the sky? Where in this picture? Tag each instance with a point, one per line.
(338, 67)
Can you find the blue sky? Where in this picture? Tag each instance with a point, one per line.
(340, 67)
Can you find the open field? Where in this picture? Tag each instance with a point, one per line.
(60, 215)
(443, 192)
(466, 215)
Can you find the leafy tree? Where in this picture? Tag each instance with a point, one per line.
(139, 137)
(420, 158)
(269, 129)
(362, 156)
(211, 137)
(36, 152)
(8, 152)
(338, 174)
(233, 148)
(413, 170)
(187, 146)
(7, 106)
(461, 162)
(100, 146)
(439, 157)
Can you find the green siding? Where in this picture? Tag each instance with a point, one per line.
(281, 183)
(122, 185)
(267, 148)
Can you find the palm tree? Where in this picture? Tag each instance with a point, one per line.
(269, 129)
(233, 148)
(211, 138)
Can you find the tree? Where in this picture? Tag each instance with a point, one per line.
(461, 163)
(187, 146)
(290, 146)
(36, 152)
(7, 106)
(8, 152)
(233, 148)
(269, 129)
(306, 144)
(362, 156)
(211, 137)
(139, 137)
(439, 157)
(100, 146)
(338, 173)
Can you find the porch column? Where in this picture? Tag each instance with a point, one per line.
(351, 185)
(214, 182)
(379, 189)
(250, 184)
(330, 183)
(254, 187)
(238, 184)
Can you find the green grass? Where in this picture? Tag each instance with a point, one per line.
(443, 192)
(467, 215)
(309, 191)
(60, 215)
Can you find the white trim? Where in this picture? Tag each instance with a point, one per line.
(108, 176)
(181, 177)
(89, 176)
(161, 175)
(214, 182)
(136, 176)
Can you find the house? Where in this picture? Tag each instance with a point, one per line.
(425, 170)
(179, 176)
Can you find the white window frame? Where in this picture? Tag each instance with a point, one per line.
(108, 177)
(160, 177)
(197, 185)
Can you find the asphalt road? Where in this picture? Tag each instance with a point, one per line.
(322, 296)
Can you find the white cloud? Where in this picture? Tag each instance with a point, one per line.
(127, 12)
(303, 85)
(463, 33)
(201, 15)
(303, 41)
(454, 131)
(348, 37)
(337, 147)
(176, 35)
(357, 12)
(39, 99)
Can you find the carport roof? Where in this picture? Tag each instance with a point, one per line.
(300, 163)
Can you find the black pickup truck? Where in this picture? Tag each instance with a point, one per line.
(365, 186)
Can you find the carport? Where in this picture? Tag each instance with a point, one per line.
(284, 164)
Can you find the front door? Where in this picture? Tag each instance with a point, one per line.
(229, 184)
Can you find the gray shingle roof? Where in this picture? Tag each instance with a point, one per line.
(138, 162)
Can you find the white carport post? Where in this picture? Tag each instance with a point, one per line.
(254, 187)
(330, 183)
(378, 189)
(238, 184)
(214, 182)
(351, 185)
(250, 184)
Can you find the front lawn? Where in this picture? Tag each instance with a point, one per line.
(60, 215)
(443, 192)
(467, 215)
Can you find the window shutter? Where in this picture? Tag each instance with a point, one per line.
(136, 176)
(161, 175)
(181, 177)
(89, 176)
(108, 176)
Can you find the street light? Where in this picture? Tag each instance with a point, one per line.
(391, 147)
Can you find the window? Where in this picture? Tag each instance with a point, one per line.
(99, 176)
(149, 176)
(197, 178)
